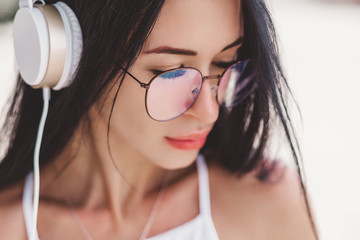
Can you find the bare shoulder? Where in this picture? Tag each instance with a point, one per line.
(12, 224)
(252, 209)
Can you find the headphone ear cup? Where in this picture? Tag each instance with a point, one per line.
(74, 43)
(31, 43)
(48, 45)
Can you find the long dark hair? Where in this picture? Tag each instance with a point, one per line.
(114, 33)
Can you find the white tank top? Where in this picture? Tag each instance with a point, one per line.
(199, 228)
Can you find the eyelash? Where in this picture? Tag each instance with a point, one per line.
(156, 72)
(223, 65)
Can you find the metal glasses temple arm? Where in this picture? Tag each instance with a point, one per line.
(143, 85)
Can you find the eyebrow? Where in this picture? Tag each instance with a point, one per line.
(171, 50)
(187, 52)
(238, 41)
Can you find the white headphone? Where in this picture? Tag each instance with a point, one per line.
(48, 44)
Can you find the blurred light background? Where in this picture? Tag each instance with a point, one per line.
(320, 49)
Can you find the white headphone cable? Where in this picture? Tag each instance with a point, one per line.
(46, 98)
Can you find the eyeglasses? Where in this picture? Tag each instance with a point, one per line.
(171, 93)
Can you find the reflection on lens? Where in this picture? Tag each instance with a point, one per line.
(172, 93)
(237, 83)
(173, 74)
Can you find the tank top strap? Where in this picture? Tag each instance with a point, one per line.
(27, 203)
(204, 192)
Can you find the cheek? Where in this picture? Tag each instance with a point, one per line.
(133, 131)
(130, 102)
(129, 116)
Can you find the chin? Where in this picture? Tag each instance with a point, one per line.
(180, 159)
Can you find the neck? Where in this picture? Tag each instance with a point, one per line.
(89, 176)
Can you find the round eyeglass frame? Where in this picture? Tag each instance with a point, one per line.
(203, 78)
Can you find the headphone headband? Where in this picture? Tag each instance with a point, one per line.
(26, 3)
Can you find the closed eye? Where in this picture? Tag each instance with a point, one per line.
(224, 64)
(157, 72)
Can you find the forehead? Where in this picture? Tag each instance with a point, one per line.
(205, 26)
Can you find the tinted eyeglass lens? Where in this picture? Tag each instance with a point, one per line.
(172, 93)
(236, 84)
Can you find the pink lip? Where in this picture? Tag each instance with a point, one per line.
(189, 142)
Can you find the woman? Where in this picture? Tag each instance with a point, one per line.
(113, 167)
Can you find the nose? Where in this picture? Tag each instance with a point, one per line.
(205, 107)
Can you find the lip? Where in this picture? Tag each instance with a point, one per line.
(189, 142)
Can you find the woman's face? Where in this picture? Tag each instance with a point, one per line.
(202, 28)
